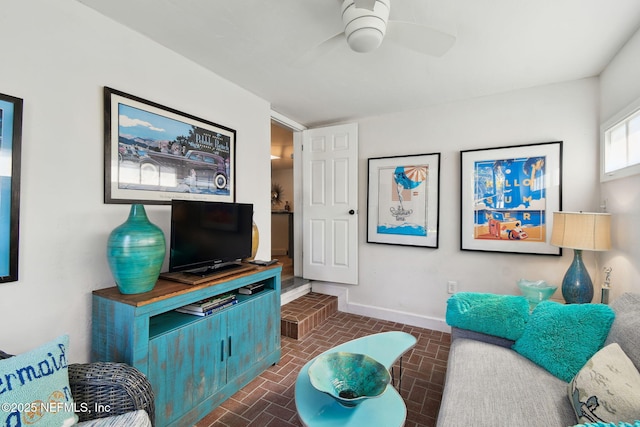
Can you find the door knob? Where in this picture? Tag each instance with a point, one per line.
(352, 212)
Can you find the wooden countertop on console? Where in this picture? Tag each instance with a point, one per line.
(169, 288)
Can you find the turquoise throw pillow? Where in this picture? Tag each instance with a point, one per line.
(34, 387)
(562, 338)
(498, 315)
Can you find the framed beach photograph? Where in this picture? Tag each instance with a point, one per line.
(10, 149)
(154, 154)
(403, 200)
(508, 197)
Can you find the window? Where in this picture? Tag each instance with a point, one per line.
(620, 144)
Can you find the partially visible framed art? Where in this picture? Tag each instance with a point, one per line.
(403, 200)
(508, 197)
(154, 154)
(10, 149)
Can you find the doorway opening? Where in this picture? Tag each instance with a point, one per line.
(282, 200)
(314, 236)
(286, 225)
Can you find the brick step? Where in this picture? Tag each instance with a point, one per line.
(300, 316)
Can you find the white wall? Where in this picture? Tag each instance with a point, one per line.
(57, 56)
(619, 86)
(408, 284)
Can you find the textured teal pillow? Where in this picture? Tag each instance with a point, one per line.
(499, 315)
(562, 338)
(34, 387)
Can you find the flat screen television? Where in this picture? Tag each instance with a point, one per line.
(209, 236)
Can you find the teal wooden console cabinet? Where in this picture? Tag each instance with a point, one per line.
(193, 363)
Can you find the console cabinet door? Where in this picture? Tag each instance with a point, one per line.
(251, 332)
(266, 312)
(240, 338)
(186, 366)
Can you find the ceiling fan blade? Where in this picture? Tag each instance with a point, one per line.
(420, 38)
(365, 4)
(317, 52)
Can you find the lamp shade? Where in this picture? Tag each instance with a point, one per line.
(582, 230)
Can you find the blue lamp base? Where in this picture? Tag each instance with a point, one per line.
(577, 287)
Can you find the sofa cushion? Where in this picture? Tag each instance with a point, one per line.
(607, 388)
(500, 315)
(624, 330)
(562, 338)
(34, 386)
(601, 424)
(490, 386)
(479, 336)
(137, 418)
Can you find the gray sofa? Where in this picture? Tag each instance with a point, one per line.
(488, 384)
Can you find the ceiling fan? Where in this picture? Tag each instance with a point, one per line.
(367, 23)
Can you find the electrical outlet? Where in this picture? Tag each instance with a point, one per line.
(452, 286)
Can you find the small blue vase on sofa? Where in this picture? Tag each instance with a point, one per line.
(135, 252)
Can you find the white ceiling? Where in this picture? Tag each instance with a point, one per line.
(501, 45)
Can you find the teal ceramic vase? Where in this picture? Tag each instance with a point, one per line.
(135, 251)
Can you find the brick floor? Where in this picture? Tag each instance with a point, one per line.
(268, 401)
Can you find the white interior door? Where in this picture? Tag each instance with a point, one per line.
(330, 203)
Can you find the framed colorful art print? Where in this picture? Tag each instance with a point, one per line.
(508, 197)
(10, 149)
(403, 200)
(154, 154)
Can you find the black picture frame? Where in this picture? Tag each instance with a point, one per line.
(508, 196)
(153, 154)
(11, 109)
(403, 200)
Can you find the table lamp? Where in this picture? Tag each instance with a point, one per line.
(580, 231)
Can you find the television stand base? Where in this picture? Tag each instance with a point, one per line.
(211, 270)
(198, 278)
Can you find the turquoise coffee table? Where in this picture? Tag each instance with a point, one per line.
(317, 409)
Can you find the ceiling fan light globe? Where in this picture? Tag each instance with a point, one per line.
(365, 40)
(364, 29)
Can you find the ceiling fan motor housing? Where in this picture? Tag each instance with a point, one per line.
(364, 29)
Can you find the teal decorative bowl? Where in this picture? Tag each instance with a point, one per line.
(350, 378)
(536, 292)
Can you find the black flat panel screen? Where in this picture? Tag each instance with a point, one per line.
(208, 234)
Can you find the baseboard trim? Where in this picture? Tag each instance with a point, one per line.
(406, 318)
(403, 317)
